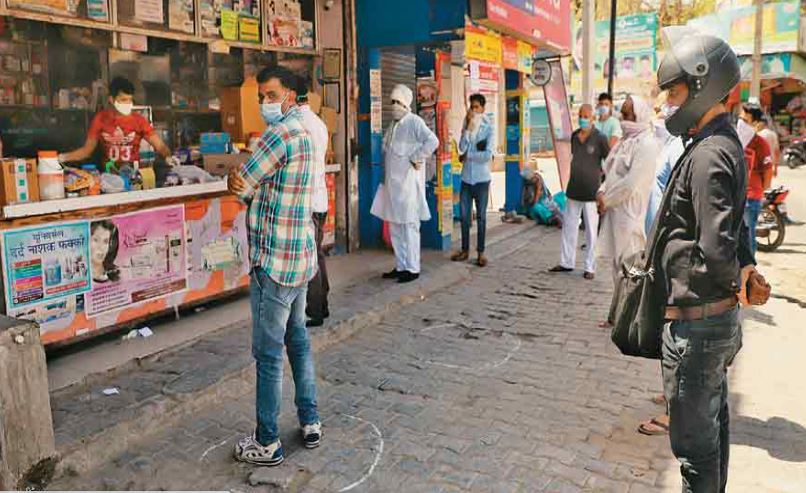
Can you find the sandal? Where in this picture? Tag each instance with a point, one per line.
(653, 427)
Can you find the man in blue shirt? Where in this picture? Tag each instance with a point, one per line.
(606, 122)
(475, 149)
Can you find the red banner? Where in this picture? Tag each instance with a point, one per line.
(510, 60)
(546, 22)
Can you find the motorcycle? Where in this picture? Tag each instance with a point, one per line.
(771, 227)
(795, 153)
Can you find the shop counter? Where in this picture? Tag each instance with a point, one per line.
(83, 266)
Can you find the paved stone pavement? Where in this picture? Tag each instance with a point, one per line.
(502, 383)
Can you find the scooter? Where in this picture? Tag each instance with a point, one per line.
(771, 227)
(795, 154)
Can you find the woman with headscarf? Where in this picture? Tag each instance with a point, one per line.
(623, 197)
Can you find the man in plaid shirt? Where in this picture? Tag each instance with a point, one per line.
(276, 183)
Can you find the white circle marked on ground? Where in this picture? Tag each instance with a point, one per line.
(375, 461)
(516, 346)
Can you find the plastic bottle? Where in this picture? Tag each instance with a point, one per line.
(50, 175)
(125, 172)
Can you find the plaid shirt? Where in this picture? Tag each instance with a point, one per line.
(279, 180)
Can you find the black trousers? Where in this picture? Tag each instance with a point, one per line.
(319, 287)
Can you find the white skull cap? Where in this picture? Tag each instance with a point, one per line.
(403, 95)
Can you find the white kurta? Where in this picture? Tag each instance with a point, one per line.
(626, 189)
(401, 197)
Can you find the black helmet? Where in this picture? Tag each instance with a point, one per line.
(706, 64)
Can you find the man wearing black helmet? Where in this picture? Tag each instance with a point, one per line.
(704, 260)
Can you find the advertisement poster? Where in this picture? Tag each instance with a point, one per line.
(137, 257)
(217, 243)
(43, 264)
(560, 120)
(635, 55)
(736, 26)
(210, 15)
(548, 21)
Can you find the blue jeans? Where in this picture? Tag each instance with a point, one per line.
(278, 322)
(480, 193)
(751, 212)
(696, 356)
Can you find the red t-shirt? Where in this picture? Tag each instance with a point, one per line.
(759, 160)
(120, 135)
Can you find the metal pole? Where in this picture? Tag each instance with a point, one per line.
(612, 56)
(587, 50)
(755, 83)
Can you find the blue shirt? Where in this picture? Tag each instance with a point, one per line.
(610, 128)
(477, 164)
(669, 156)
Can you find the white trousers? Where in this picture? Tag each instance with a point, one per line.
(406, 243)
(573, 210)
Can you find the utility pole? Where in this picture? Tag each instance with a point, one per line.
(588, 10)
(612, 55)
(755, 82)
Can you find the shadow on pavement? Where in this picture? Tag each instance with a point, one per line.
(783, 439)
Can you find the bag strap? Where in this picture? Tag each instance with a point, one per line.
(653, 240)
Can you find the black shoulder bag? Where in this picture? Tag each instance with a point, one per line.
(639, 299)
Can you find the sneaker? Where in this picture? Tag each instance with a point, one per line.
(460, 256)
(312, 435)
(249, 450)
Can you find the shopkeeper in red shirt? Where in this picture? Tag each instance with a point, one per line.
(759, 165)
(119, 130)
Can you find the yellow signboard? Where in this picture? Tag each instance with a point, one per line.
(482, 45)
(525, 56)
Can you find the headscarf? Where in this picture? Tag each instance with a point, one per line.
(643, 118)
(403, 95)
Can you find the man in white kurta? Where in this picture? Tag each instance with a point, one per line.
(624, 195)
(400, 200)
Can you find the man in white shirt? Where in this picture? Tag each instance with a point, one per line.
(318, 288)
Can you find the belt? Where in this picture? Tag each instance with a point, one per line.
(688, 313)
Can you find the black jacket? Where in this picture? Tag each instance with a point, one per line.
(704, 240)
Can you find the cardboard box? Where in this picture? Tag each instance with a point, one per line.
(19, 182)
(331, 119)
(221, 164)
(240, 111)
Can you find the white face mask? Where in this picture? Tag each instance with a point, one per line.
(745, 131)
(124, 109)
(398, 112)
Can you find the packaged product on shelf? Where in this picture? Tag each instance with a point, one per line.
(78, 181)
(95, 186)
(50, 175)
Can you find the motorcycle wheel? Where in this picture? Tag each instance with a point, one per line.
(793, 161)
(771, 223)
